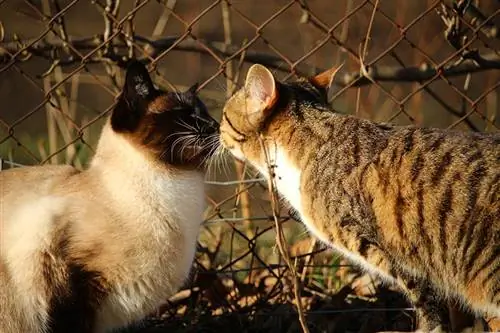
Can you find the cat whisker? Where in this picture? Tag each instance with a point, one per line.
(184, 124)
(214, 147)
(177, 133)
(176, 142)
(188, 142)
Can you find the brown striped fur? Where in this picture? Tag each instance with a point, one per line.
(420, 207)
(88, 251)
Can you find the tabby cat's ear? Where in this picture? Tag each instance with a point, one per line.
(260, 88)
(138, 90)
(324, 80)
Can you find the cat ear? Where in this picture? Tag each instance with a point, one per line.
(138, 85)
(260, 88)
(324, 80)
(190, 94)
(192, 90)
(137, 91)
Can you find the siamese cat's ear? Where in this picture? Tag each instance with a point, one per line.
(138, 84)
(260, 88)
(138, 90)
(324, 80)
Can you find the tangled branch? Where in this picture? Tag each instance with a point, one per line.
(47, 48)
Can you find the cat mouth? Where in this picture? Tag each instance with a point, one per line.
(205, 146)
(236, 153)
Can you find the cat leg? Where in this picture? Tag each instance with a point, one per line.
(494, 324)
(464, 321)
(437, 315)
(431, 311)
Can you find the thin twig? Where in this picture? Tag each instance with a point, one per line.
(235, 182)
(62, 28)
(243, 199)
(163, 19)
(108, 13)
(475, 17)
(439, 99)
(42, 48)
(362, 56)
(280, 236)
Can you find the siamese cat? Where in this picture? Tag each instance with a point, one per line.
(94, 250)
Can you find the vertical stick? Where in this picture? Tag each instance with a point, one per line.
(244, 198)
(281, 240)
(64, 125)
(163, 19)
(51, 123)
(491, 107)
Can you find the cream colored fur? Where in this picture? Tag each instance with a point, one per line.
(142, 217)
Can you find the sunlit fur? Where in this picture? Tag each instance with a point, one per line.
(88, 251)
(419, 207)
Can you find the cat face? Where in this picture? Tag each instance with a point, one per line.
(172, 128)
(264, 105)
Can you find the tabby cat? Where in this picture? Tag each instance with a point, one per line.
(89, 251)
(419, 207)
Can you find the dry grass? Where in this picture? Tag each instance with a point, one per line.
(58, 90)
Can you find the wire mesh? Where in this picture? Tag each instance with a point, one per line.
(429, 63)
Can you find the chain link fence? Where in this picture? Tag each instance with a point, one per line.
(429, 63)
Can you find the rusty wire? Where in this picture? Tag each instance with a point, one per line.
(434, 63)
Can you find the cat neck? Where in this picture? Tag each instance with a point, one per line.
(131, 175)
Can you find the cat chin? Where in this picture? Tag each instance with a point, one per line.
(238, 155)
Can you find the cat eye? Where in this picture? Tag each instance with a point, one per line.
(197, 111)
(202, 119)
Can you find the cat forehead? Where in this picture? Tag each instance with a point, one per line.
(169, 101)
(160, 104)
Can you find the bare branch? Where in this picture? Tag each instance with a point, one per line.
(476, 18)
(162, 21)
(111, 9)
(43, 48)
(456, 35)
(421, 73)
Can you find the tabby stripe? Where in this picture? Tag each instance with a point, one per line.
(356, 149)
(473, 190)
(394, 155)
(440, 171)
(443, 212)
(437, 143)
(493, 273)
(363, 247)
(363, 172)
(474, 157)
(408, 141)
(496, 294)
(398, 212)
(471, 230)
(291, 135)
(384, 181)
(416, 167)
(480, 240)
(421, 219)
(233, 128)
